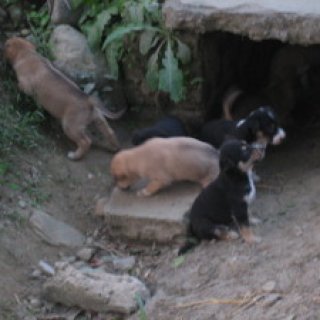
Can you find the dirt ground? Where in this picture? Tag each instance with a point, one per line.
(275, 279)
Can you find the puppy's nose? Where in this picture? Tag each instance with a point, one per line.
(279, 137)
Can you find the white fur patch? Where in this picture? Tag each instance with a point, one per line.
(280, 135)
(240, 122)
(248, 198)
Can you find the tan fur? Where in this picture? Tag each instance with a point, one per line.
(228, 101)
(165, 160)
(57, 94)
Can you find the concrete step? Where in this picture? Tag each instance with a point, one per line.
(158, 218)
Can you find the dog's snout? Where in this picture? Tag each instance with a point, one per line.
(279, 137)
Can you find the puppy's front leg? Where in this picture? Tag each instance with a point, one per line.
(240, 215)
(248, 235)
(152, 187)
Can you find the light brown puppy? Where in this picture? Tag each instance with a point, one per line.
(57, 94)
(165, 160)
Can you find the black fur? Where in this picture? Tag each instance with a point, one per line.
(222, 203)
(261, 120)
(169, 126)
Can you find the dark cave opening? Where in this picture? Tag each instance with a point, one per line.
(269, 72)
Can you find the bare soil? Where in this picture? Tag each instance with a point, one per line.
(275, 279)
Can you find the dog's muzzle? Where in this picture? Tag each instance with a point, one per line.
(278, 137)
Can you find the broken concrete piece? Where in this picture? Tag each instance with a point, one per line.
(157, 218)
(95, 290)
(55, 232)
(290, 21)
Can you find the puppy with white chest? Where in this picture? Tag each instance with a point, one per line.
(163, 161)
(58, 95)
(223, 204)
(260, 127)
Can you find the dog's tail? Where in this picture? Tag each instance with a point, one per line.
(190, 243)
(228, 100)
(103, 126)
(94, 100)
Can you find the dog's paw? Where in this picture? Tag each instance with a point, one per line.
(254, 221)
(252, 239)
(143, 193)
(72, 155)
(232, 235)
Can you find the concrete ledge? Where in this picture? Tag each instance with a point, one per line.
(292, 21)
(158, 218)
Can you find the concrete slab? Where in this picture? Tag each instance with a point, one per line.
(157, 218)
(292, 21)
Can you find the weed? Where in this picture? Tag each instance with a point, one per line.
(110, 24)
(142, 312)
(19, 129)
(39, 24)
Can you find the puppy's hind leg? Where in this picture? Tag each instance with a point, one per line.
(81, 139)
(106, 130)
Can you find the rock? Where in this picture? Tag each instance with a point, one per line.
(124, 264)
(61, 12)
(269, 286)
(55, 232)
(22, 204)
(85, 254)
(95, 290)
(73, 55)
(288, 21)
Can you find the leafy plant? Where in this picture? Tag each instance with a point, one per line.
(39, 24)
(117, 25)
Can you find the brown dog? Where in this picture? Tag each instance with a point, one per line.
(165, 160)
(57, 94)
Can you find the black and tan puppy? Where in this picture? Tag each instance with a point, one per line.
(223, 204)
(260, 126)
(58, 95)
(169, 126)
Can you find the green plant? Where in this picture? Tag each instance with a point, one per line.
(19, 129)
(39, 24)
(142, 312)
(116, 25)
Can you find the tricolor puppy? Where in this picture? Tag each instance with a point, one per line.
(260, 127)
(58, 95)
(163, 161)
(223, 204)
(169, 126)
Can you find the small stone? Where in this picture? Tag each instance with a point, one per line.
(89, 240)
(46, 268)
(36, 274)
(22, 204)
(124, 264)
(25, 32)
(69, 259)
(85, 254)
(269, 286)
(34, 302)
(90, 176)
